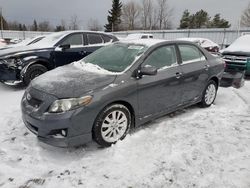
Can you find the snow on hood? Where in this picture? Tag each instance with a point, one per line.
(70, 81)
(241, 44)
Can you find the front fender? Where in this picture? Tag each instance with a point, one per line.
(30, 60)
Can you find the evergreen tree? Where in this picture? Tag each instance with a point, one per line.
(201, 19)
(114, 17)
(185, 20)
(20, 27)
(34, 27)
(24, 27)
(218, 22)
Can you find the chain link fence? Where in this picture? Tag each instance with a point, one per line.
(223, 37)
(7, 34)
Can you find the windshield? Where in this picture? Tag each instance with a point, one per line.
(115, 57)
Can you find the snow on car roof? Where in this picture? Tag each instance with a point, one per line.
(145, 42)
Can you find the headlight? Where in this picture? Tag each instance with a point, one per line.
(64, 105)
(12, 61)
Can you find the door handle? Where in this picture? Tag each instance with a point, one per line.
(178, 75)
(206, 67)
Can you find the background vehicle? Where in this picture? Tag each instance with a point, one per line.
(204, 43)
(120, 86)
(24, 63)
(3, 43)
(25, 42)
(137, 36)
(237, 58)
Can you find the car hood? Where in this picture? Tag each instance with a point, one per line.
(69, 81)
(235, 53)
(21, 50)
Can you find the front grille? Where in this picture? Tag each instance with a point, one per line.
(235, 59)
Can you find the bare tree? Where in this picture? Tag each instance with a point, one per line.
(130, 14)
(245, 17)
(74, 23)
(63, 24)
(147, 14)
(94, 25)
(164, 14)
(44, 26)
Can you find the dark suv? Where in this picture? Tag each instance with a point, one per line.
(22, 64)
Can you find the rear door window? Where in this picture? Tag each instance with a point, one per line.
(94, 39)
(106, 38)
(190, 53)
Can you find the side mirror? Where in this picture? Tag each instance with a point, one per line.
(149, 71)
(64, 46)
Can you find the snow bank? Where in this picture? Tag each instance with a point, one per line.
(190, 148)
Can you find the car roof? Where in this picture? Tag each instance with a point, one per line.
(84, 31)
(144, 42)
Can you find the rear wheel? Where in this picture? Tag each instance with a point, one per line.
(32, 72)
(111, 125)
(209, 94)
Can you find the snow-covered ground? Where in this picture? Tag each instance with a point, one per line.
(191, 148)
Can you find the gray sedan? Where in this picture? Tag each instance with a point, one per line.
(117, 88)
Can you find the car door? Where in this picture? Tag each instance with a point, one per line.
(94, 42)
(75, 51)
(194, 70)
(160, 92)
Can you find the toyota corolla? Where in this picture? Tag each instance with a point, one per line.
(117, 88)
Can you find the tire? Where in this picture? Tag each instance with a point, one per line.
(113, 129)
(209, 94)
(239, 82)
(32, 72)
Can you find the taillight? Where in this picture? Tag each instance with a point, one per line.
(225, 65)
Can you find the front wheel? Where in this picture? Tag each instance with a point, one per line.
(209, 94)
(32, 72)
(112, 124)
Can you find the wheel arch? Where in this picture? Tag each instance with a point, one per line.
(216, 79)
(35, 62)
(126, 104)
(39, 62)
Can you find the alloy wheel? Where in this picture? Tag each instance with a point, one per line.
(114, 126)
(210, 94)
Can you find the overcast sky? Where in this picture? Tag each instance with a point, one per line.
(26, 11)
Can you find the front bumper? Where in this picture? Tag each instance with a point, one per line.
(233, 78)
(9, 73)
(48, 127)
(46, 130)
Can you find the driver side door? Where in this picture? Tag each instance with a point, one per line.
(74, 53)
(161, 92)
